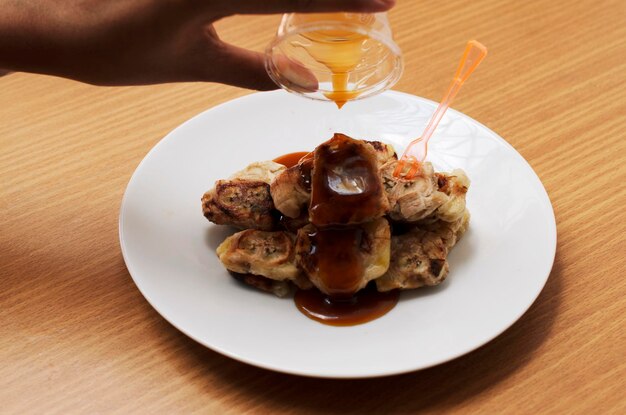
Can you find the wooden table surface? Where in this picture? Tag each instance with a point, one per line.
(76, 336)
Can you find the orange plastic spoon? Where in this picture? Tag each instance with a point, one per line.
(415, 153)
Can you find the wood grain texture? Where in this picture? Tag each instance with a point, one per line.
(76, 336)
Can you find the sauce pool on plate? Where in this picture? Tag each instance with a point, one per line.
(366, 305)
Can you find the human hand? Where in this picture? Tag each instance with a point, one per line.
(122, 42)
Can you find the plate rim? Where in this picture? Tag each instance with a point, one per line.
(553, 230)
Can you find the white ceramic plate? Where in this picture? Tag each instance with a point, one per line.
(496, 271)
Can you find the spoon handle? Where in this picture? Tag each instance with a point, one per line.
(474, 53)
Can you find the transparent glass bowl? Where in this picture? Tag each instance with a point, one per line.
(317, 55)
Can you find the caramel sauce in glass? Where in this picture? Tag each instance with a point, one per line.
(338, 49)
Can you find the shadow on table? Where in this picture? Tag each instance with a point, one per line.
(438, 388)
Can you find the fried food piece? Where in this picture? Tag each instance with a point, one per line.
(293, 224)
(415, 199)
(240, 203)
(260, 171)
(373, 254)
(346, 184)
(269, 254)
(419, 257)
(384, 152)
(455, 185)
(449, 232)
(244, 200)
(429, 196)
(278, 288)
(291, 189)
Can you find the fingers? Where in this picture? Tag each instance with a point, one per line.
(246, 69)
(240, 67)
(232, 65)
(227, 7)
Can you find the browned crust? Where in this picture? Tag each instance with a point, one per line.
(244, 204)
(278, 288)
(418, 258)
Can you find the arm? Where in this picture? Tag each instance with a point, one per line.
(127, 42)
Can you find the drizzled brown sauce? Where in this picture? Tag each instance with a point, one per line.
(290, 159)
(336, 258)
(345, 192)
(346, 188)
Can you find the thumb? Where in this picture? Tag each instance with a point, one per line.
(244, 68)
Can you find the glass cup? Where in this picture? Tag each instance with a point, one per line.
(334, 56)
